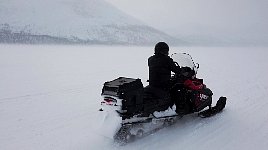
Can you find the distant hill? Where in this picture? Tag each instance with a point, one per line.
(73, 21)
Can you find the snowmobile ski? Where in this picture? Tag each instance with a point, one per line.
(214, 110)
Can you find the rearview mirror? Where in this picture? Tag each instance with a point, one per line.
(197, 65)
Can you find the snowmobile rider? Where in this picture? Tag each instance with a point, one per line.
(160, 67)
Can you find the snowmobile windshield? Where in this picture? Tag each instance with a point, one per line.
(184, 60)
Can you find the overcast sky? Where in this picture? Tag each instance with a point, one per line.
(186, 17)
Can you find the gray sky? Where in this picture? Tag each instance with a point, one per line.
(241, 18)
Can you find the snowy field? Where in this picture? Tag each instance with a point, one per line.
(50, 96)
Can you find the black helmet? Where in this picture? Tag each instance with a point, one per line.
(161, 48)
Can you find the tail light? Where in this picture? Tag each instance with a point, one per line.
(109, 101)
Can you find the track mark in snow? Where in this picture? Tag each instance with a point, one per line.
(55, 92)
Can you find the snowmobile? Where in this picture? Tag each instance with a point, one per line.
(144, 110)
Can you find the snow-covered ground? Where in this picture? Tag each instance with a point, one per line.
(50, 96)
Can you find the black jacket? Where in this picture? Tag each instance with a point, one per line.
(160, 67)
